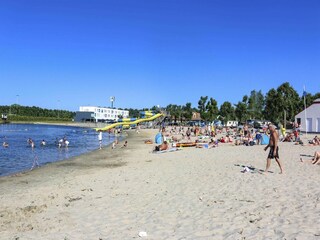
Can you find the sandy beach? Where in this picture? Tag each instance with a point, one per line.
(188, 194)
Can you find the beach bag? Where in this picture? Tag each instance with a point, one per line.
(264, 139)
(158, 138)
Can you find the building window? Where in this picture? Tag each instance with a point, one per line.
(299, 121)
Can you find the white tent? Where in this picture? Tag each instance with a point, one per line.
(310, 118)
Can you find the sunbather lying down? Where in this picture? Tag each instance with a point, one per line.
(315, 141)
(161, 147)
(315, 159)
(174, 149)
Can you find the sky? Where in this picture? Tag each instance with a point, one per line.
(62, 54)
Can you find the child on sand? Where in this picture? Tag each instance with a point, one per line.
(125, 144)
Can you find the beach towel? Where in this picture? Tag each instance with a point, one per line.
(168, 150)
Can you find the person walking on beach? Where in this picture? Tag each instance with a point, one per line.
(274, 149)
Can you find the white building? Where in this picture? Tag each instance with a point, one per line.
(311, 123)
(99, 114)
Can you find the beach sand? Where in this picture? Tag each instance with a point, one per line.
(188, 194)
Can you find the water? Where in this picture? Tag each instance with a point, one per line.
(19, 156)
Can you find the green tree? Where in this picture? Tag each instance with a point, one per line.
(227, 111)
(272, 108)
(256, 103)
(284, 101)
(24, 113)
(187, 111)
(155, 109)
(212, 110)
(208, 110)
(202, 107)
(316, 96)
(309, 100)
(288, 101)
(175, 112)
(134, 113)
(241, 111)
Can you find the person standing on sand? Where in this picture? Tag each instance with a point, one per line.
(274, 149)
(100, 139)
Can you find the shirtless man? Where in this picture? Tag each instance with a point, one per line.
(274, 149)
(162, 147)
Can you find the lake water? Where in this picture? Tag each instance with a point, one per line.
(19, 156)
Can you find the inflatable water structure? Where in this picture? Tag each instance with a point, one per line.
(146, 116)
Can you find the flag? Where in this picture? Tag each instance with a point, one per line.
(304, 93)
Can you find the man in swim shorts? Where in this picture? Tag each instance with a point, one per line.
(274, 149)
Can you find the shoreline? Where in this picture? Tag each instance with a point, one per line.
(189, 194)
(64, 162)
(72, 124)
(52, 159)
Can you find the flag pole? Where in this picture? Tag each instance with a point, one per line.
(305, 109)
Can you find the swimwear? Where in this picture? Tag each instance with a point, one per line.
(270, 155)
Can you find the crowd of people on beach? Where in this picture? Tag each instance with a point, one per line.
(210, 137)
(209, 134)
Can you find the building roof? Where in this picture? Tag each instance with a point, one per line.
(317, 100)
(312, 110)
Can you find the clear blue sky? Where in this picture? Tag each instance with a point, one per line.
(67, 53)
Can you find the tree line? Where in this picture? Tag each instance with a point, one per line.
(16, 112)
(279, 104)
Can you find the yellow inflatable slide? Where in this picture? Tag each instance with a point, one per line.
(106, 128)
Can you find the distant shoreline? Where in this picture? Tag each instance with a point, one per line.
(73, 124)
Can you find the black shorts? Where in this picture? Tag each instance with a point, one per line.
(271, 155)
